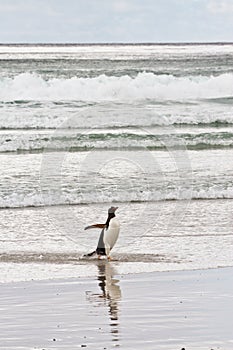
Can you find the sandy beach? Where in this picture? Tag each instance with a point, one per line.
(162, 310)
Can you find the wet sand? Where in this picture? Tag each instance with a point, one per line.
(162, 310)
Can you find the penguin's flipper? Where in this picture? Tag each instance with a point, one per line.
(95, 226)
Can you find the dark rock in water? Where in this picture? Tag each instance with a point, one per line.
(54, 339)
(83, 346)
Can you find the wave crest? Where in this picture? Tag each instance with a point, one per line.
(30, 86)
(18, 200)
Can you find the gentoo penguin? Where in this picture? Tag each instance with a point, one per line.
(109, 234)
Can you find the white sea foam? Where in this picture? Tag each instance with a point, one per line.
(29, 86)
(52, 117)
(23, 200)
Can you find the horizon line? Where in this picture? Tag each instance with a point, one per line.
(119, 43)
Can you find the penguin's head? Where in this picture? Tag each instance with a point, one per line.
(112, 210)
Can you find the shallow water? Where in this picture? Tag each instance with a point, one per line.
(50, 242)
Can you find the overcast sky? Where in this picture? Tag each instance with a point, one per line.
(84, 21)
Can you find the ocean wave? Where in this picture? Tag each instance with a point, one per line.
(15, 200)
(69, 141)
(122, 119)
(30, 86)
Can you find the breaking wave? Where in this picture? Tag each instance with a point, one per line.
(15, 200)
(30, 86)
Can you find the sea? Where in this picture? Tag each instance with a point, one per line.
(145, 127)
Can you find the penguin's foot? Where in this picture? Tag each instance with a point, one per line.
(109, 258)
(89, 254)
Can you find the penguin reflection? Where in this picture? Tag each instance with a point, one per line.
(110, 294)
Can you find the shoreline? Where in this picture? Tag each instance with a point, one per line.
(66, 267)
(118, 268)
(170, 310)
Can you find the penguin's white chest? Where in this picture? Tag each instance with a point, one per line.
(112, 233)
